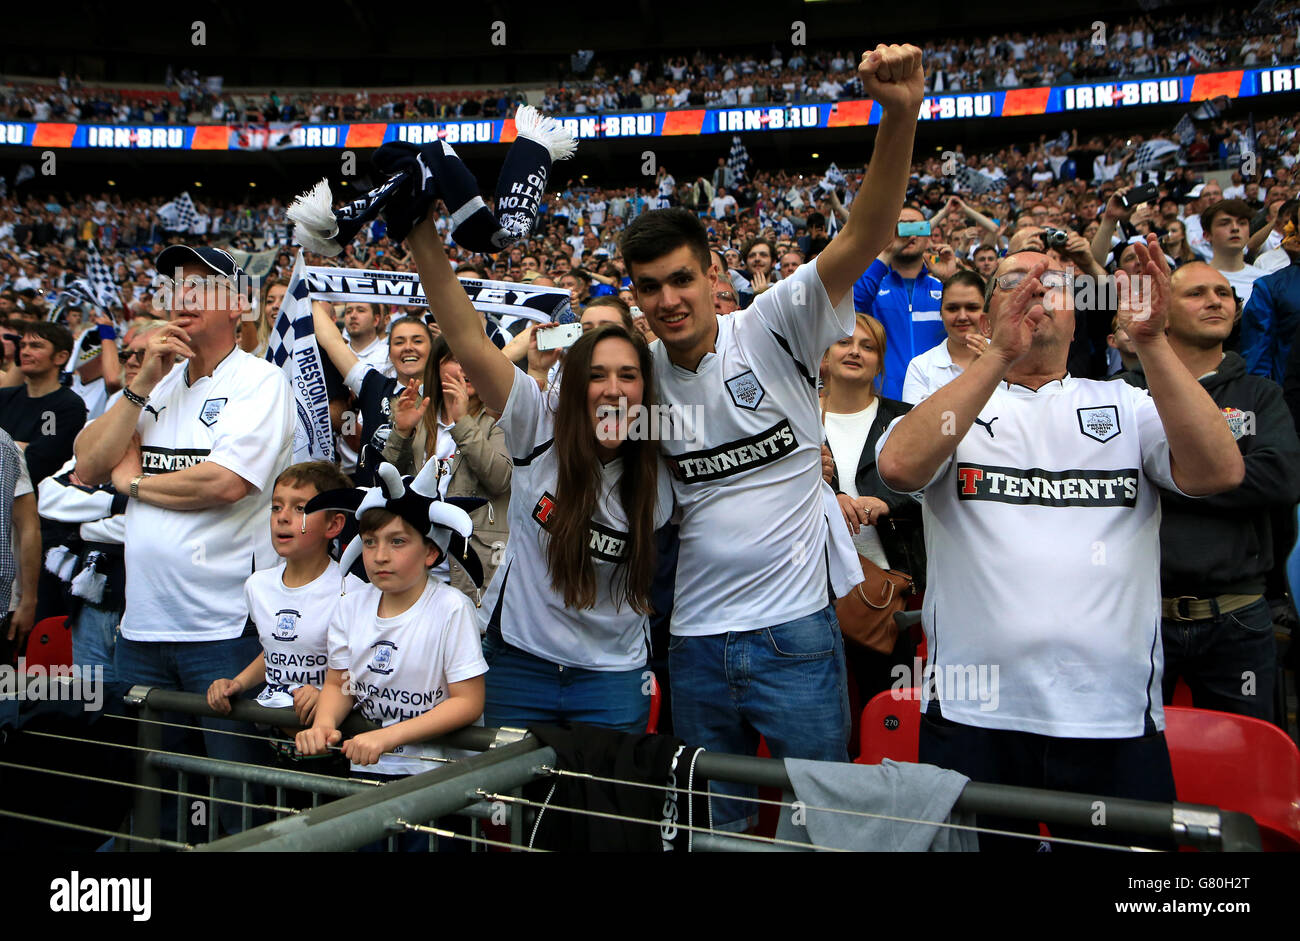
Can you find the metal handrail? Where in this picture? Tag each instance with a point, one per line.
(511, 757)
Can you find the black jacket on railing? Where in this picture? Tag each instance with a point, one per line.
(900, 531)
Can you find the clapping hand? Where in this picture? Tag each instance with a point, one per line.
(1144, 300)
(455, 397)
(410, 409)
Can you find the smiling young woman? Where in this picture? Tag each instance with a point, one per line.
(886, 526)
(409, 344)
(566, 617)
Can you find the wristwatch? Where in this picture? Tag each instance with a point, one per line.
(135, 486)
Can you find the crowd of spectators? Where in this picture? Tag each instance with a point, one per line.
(1059, 202)
(74, 100)
(1144, 45)
(1063, 182)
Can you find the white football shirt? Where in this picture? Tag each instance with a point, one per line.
(401, 667)
(1042, 531)
(928, 372)
(188, 567)
(754, 524)
(520, 600)
(293, 625)
(93, 393)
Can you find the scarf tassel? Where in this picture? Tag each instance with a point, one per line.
(61, 562)
(89, 583)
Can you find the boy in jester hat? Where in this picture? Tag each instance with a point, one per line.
(405, 648)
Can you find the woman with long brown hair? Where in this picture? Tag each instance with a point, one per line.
(1175, 244)
(567, 614)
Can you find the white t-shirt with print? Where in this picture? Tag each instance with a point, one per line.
(520, 600)
(401, 667)
(1243, 281)
(1042, 534)
(187, 568)
(753, 520)
(293, 625)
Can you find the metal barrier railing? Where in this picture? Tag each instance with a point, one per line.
(152, 760)
(361, 812)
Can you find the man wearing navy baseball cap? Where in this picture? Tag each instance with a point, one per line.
(173, 261)
(196, 449)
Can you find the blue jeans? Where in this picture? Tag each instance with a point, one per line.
(192, 667)
(1215, 656)
(523, 690)
(94, 636)
(787, 683)
(1293, 567)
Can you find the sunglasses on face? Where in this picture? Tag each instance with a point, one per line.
(133, 356)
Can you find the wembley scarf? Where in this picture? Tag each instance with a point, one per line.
(419, 176)
(503, 298)
(507, 307)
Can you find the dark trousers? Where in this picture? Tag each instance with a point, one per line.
(1135, 768)
(1229, 662)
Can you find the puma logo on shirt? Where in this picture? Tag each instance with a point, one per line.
(987, 425)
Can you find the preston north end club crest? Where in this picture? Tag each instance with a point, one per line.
(381, 661)
(286, 624)
(745, 390)
(211, 410)
(1101, 423)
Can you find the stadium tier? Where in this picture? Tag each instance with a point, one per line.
(1065, 99)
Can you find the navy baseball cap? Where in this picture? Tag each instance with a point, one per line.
(216, 260)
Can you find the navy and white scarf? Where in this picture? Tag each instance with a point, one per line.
(419, 176)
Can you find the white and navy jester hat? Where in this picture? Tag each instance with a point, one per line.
(416, 500)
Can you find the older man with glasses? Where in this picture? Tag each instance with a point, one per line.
(1041, 510)
(196, 448)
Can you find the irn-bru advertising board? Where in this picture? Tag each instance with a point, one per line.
(1243, 83)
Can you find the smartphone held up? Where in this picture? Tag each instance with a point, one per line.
(558, 338)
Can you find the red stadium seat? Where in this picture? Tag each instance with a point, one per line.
(1228, 761)
(656, 702)
(49, 644)
(891, 728)
(1238, 763)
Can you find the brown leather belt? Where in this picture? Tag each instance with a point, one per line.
(1190, 608)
